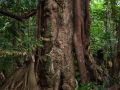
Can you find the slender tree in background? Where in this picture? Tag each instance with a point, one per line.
(116, 62)
(117, 59)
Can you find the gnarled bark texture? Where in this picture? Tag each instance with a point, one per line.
(57, 54)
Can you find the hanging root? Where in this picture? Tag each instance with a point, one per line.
(23, 79)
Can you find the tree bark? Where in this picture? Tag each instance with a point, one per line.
(59, 22)
(81, 38)
(117, 60)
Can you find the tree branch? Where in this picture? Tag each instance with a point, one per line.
(18, 17)
(9, 14)
(29, 14)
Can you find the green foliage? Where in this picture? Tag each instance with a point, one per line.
(16, 5)
(103, 28)
(16, 36)
(97, 26)
(90, 86)
(7, 64)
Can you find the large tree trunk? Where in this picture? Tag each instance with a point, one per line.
(57, 51)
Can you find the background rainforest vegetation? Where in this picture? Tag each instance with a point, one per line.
(59, 44)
